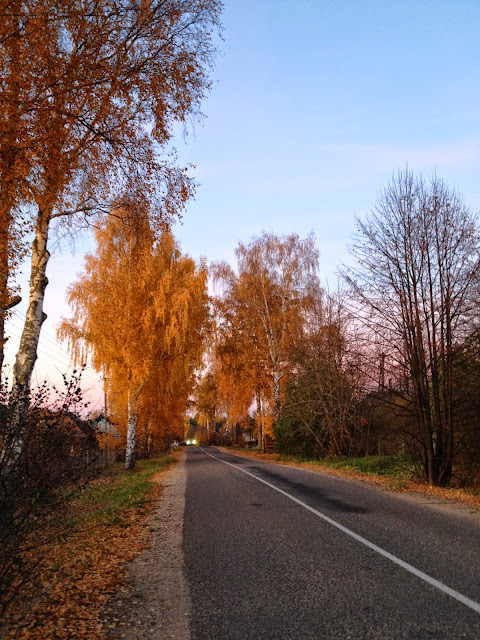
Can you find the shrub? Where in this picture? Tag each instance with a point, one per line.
(58, 449)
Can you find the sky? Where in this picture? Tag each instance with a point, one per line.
(314, 106)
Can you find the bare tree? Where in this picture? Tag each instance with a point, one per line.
(417, 257)
(318, 416)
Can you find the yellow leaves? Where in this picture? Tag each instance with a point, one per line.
(260, 315)
(140, 308)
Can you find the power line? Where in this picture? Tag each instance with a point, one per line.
(43, 346)
(62, 353)
(41, 350)
(53, 356)
(44, 333)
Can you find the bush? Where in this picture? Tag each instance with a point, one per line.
(58, 449)
(319, 415)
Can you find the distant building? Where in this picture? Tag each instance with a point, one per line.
(103, 425)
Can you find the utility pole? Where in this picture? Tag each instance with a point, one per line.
(382, 371)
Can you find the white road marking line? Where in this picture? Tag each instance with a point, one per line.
(468, 602)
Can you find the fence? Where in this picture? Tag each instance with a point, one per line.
(270, 446)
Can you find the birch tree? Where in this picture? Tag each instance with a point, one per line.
(107, 82)
(273, 285)
(140, 310)
(241, 365)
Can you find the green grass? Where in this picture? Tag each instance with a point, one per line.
(118, 493)
(399, 467)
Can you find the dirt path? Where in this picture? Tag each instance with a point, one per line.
(154, 605)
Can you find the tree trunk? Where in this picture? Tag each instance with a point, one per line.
(261, 439)
(27, 352)
(277, 399)
(9, 169)
(131, 451)
(2, 340)
(6, 208)
(5, 224)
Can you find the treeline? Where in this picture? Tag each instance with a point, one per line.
(388, 364)
(89, 94)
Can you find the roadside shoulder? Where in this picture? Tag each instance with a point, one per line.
(155, 604)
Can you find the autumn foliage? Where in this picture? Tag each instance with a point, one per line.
(89, 95)
(59, 447)
(140, 311)
(260, 312)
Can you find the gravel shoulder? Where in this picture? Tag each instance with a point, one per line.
(154, 604)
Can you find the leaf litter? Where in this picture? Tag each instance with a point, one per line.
(79, 569)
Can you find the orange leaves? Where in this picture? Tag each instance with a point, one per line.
(78, 572)
(140, 309)
(262, 311)
(90, 92)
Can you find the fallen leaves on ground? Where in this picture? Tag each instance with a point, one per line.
(78, 573)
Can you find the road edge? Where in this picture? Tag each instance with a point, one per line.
(407, 488)
(155, 605)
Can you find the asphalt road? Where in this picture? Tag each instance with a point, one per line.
(282, 553)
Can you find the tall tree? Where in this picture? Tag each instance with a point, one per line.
(417, 266)
(275, 278)
(206, 400)
(108, 81)
(319, 413)
(141, 310)
(16, 62)
(241, 365)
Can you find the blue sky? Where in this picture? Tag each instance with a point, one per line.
(313, 108)
(314, 105)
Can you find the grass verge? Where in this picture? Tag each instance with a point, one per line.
(395, 473)
(83, 558)
(398, 468)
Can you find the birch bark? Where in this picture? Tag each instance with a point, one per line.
(131, 450)
(261, 440)
(277, 396)
(27, 351)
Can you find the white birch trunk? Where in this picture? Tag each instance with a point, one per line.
(27, 351)
(131, 450)
(261, 441)
(277, 398)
